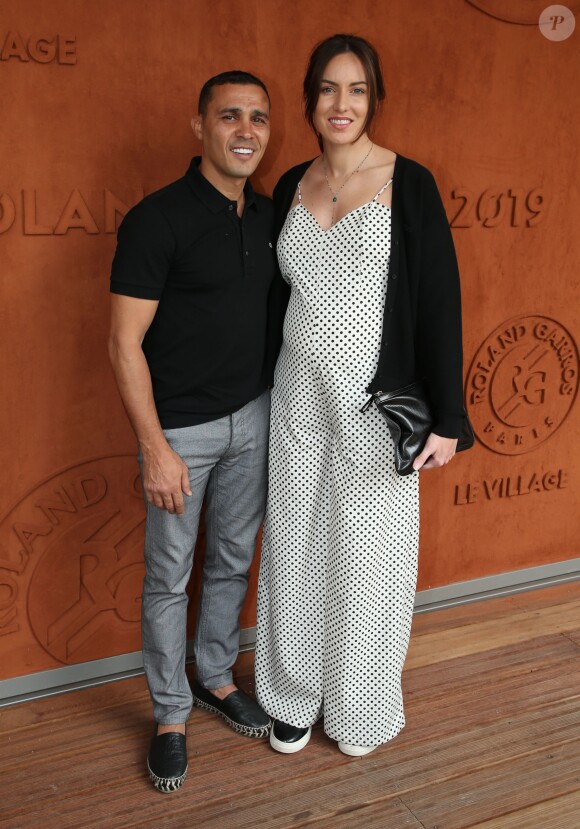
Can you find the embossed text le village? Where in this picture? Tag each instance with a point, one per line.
(493, 488)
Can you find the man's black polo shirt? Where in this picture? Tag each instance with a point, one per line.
(185, 246)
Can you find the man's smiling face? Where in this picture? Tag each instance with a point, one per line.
(234, 132)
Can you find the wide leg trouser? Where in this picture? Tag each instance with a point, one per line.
(227, 463)
(339, 563)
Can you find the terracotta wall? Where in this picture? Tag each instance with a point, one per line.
(96, 100)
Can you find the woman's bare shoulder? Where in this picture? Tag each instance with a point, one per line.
(382, 156)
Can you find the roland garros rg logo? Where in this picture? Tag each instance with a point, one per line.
(71, 566)
(522, 384)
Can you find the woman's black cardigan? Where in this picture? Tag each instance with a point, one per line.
(422, 320)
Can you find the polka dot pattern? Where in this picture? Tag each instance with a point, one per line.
(339, 552)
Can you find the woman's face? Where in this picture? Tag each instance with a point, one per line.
(343, 100)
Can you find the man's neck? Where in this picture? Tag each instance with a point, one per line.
(231, 188)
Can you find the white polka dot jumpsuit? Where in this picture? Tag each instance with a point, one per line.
(339, 552)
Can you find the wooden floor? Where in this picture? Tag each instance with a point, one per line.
(492, 742)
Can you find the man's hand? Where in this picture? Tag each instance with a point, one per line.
(437, 452)
(165, 480)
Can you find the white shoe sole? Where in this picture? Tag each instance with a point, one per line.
(289, 748)
(355, 751)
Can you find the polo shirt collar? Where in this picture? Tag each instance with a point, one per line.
(210, 195)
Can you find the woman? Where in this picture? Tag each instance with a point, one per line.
(366, 249)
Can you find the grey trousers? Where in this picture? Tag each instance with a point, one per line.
(227, 462)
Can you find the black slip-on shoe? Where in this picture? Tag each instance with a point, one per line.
(287, 738)
(167, 761)
(239, 710)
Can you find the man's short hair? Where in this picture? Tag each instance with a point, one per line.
(233, 76)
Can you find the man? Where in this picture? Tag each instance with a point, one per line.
(188, 344)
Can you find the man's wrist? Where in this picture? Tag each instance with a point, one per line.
(153, 445)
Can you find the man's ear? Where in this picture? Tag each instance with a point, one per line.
(197, 126)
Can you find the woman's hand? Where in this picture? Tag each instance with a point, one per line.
(437, 452)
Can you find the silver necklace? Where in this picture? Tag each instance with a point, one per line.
(347, 179)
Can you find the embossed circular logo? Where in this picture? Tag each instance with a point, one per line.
(72, 556)
(522, 384)
(524, 12)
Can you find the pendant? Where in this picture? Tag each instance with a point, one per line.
(334, 198)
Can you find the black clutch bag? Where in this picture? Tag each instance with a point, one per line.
(408, 415)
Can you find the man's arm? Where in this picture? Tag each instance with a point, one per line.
(165, 476)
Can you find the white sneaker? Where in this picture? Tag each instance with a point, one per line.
(355, 751)
(287, 738)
